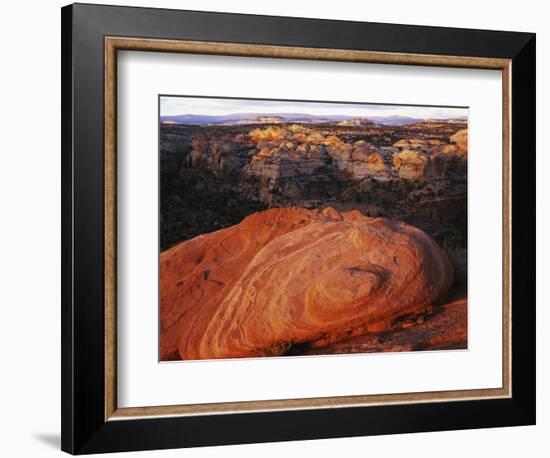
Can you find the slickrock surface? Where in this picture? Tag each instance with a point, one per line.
(288, 279)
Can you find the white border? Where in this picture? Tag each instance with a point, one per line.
(142, 381)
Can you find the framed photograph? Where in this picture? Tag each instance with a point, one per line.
(283, 228)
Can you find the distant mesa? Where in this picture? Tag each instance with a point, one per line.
(304, 118)
(394, 120)
(250, 118)
(356, 122)
(269, 119)
(457, 120)
(290, 278)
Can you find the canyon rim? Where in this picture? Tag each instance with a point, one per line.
(294, 228)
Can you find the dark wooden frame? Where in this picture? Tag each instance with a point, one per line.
(89, 416)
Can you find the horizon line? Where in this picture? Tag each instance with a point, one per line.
(262, 113)
(174, 105)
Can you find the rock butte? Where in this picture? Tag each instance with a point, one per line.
(288, 277)
(295, 151)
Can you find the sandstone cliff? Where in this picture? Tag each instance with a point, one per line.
(278, 154)
(461, 141)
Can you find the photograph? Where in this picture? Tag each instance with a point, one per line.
(280, 226)
(260, 229)
(301, 228)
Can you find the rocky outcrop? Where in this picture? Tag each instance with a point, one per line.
(289, 170)
(359, 160)
(417, 143)
(443, 327)
(288, 158)
(268, 135)
(460, 139)
(287, 278)
(292, 159)
(222, 157)
(420, 158)
(410, 164)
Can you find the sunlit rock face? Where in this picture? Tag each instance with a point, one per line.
(461, 141)
(287, 278)
(287, 159)
(409, 164)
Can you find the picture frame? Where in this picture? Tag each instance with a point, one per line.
(92, 421)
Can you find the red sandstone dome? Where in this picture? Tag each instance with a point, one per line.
(287, 277)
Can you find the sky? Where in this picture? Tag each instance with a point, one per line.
(170, 105)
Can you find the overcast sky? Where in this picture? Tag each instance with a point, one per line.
(170, 105)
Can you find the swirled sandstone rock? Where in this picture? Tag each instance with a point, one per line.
(288, 277)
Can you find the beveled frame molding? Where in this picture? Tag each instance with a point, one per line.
(114, 44)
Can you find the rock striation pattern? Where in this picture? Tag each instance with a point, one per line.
(288, 278)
